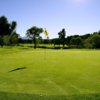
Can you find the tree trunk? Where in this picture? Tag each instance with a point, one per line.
(1, 41)
(63, 45)
(34, 42)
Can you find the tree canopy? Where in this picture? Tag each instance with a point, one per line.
(34, 33)
(62, 35)
(7, 30)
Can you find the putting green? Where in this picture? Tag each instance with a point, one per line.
(50, 72)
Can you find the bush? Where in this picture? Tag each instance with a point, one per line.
(93, 41)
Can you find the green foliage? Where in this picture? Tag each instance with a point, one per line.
(7, 30)
(62, 35)
(1, 41)
(34, 33)
(93, 41)
(6, 40)
(14, 38)
(84, 41)
(56, 41)
(13, 26)
(4, 26)
(39, 40)
(76, 42)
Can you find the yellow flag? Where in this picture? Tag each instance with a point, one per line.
(46, 32)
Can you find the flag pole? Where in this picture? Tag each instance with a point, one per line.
(46, 35)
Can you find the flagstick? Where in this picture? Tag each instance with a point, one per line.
(46, 34)
(45, 52)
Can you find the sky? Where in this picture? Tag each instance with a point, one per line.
(78, 17)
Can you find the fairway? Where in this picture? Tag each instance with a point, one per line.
(50, 72)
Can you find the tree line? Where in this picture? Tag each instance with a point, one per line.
(9, 37)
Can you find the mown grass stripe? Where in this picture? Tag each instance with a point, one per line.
(57, 87)
(76, 88)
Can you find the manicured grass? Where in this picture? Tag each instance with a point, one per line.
(21, 96)
(52, 74)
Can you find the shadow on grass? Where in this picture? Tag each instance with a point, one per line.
(22, 96)
(16, 69)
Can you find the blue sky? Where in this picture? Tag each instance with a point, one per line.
(76, 16)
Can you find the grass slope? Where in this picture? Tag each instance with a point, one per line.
(51, 73)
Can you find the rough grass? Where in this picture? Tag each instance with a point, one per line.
(50, 74)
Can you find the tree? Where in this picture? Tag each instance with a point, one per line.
(6, 30)
(55, 41)
(6, 40)
(40, 40)
(4, 26)
(34, 33)
(13, 27)
(62, 35)
(14, 39)
(76, 42)
(93, 41)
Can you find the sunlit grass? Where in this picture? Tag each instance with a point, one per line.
(50, 72)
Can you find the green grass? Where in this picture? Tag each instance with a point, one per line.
(50, 74)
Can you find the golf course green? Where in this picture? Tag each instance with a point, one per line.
(45, 74)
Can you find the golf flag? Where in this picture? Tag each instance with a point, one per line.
(46, 32)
